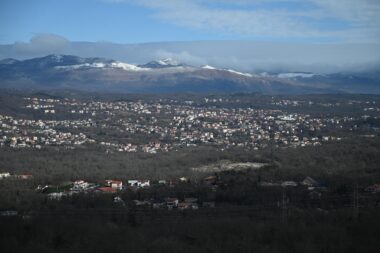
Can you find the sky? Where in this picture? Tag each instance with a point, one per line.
(30, 28)
(136, 21)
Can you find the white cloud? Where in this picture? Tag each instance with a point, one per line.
(182, 56)
(42, 43)
(359, 19)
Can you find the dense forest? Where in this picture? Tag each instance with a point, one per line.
(227, 230)
(247, 219)
(351, 160)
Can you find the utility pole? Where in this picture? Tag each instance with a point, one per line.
(272, 147)
(355, 206)
(284, 214)
(272, 153)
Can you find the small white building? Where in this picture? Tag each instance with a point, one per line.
(289, 184)
(171, 203)
(310, 182)
(56, 195)
(133, 182)
(162, 182)
(139, 183)
(4, 175)
(145, 183)
(115, 184)
(80, 185)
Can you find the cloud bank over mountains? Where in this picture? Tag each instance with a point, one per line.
(241, 55)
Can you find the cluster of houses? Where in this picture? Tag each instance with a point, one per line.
(375, 188)
(314, 185)
(7, 175)
(40, 103)
(180, 124)
(81, 186)
(175, 203)
(22, 133)
(116, 186)
(308, 182)
(289, 102)
(109, 186)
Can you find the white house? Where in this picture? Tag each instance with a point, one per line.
(171, 203)
(133, 182)
(145, 183)
(56, 195)
(115, 184)
(4, 175)
(289, 183)
(139, 183)
(310, 182)
(80, 185)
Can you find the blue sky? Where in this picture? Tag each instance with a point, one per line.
(128, 21)
(88, 20)
(81, 20)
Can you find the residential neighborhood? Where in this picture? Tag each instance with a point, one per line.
(168, 125)
(117, 188)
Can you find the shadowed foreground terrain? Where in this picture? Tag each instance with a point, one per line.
(227, 230)
(221, 173)
(247, 217)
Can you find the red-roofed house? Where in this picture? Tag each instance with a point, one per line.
(107, 189)
(25, 176)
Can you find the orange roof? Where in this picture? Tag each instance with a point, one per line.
(107, 189)
(25, 176)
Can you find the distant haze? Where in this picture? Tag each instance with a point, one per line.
(249, 56)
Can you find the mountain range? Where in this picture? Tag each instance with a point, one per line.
(168, 75)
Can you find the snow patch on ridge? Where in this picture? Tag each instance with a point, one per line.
(239, 73)
(168, 61)
(208, 67)
(114, 65)
(228, 70)
(126, 66)
(293, 75)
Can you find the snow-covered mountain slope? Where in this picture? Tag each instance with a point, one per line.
(208, 67)
(239, 73)
(289, 75)
(295, 75)
(104, 65)
(99, 74)
(228, 70)
(165, 63)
